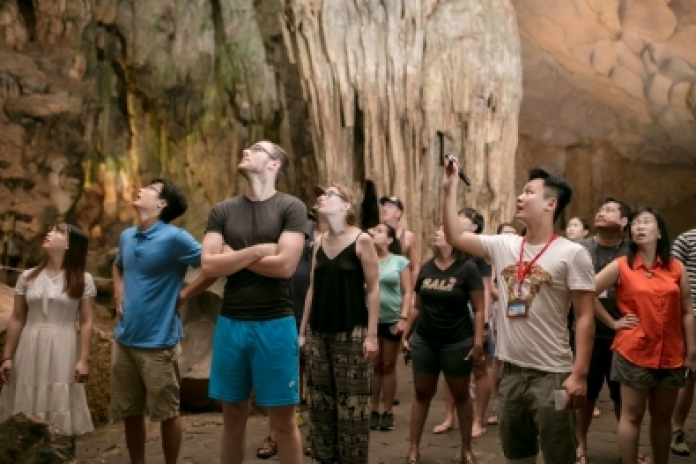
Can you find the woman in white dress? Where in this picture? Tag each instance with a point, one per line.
(45, 364)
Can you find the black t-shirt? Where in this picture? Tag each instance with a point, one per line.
(243, 223)
(444, 315)
(601, 256)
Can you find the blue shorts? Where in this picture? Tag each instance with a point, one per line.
(262, 354)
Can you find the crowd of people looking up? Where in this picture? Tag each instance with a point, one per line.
(541, 320)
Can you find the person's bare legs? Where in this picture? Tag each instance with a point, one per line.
(449, 421)
(459, 389)
(495, 373)
(582, 427)
(661, 401)
(171, 439)
(233, 441)
(136, 435)
(376, 380)
(633, 401)
(389, 351)
(685, 399)
(287, 434)
(483, 396)
(425, 387)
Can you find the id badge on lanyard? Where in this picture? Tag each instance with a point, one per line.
(518, 306)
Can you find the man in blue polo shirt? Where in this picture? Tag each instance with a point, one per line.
(148, 274)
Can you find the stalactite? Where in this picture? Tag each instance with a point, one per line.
(397, 71)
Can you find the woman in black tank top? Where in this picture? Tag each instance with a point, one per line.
(341, 313)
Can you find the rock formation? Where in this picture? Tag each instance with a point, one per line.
(381, 78)
(29, 440)
(99, 96)
(610, 99)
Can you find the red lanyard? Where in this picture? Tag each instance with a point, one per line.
(523, 269)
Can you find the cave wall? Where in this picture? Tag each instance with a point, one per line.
(99, 96)
(610, 100)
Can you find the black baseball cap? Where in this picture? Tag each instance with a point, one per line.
(395, 201)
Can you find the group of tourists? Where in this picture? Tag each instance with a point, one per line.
(311, 298)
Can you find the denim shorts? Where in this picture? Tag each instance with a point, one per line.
(262, 354)
(431, 357)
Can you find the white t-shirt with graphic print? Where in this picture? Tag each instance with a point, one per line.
(541, 339)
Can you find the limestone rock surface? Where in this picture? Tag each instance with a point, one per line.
(607, 88)
(29, 440)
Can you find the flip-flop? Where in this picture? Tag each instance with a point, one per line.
(480, 434)
(442, 428)
(493, 420)
(643, 459)
(582, 459)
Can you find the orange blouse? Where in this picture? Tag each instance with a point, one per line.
(654, 295)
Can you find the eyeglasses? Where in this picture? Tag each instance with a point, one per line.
(642, 222)
(607, 209)
(260, 148)
(333, 193)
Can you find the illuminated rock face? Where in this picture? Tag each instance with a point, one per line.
(381, 82)
(610, 99)
(98, 97)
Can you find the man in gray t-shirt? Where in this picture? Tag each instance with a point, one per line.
(256, 240)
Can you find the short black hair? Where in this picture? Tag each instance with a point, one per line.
(556, 187)
(502, 225)
(175, 198)
(664, 247)
(585, 223)
(623, 207)
(475, 217)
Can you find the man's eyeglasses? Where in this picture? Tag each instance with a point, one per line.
(258, 147)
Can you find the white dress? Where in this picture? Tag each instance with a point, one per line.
(42, 381)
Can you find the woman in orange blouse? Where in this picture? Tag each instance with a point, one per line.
(653, 336)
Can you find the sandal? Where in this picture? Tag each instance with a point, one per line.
(493, 420)
(442, 428)
(582, 459)
(643, 459)
(268, 449)
(482, 431)
(469, 460)
(412, 459)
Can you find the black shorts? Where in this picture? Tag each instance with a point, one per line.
(384, 332)
(600, 371)
(431, 357)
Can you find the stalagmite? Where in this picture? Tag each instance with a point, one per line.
(381, 78)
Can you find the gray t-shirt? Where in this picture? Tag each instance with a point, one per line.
(243, 223)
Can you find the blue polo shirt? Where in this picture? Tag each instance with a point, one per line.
(154, 263)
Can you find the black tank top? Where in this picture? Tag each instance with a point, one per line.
(338, 301)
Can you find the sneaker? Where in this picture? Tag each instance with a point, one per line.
(387, 421)
(375, 420)
(679, 446)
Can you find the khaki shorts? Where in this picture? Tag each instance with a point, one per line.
(527, 416)
(145, 381)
